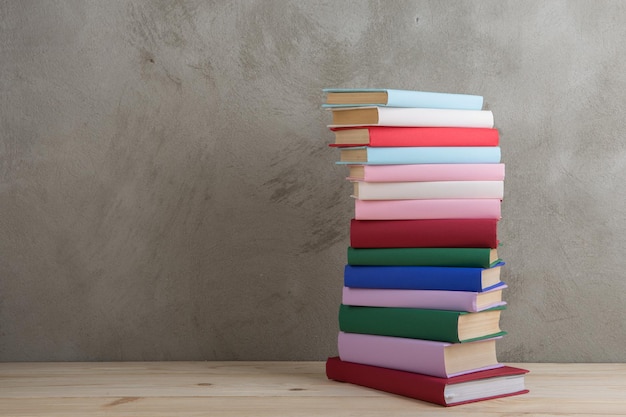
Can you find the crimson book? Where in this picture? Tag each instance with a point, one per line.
(500, 382)
(420, 233)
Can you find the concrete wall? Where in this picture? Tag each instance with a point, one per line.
(167, 192)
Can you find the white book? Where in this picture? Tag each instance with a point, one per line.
(396, 116)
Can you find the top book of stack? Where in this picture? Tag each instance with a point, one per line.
(350, 97)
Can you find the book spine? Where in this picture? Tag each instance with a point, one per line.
(469, 233)
(428, 190)
(413, 323)
(436, 256)
(428, 299)
(389, 116)
(412, 355)
(414, 278)
(427, 209)
(432, 172)
(385, 136)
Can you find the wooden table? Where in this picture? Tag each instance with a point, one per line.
(155, 389)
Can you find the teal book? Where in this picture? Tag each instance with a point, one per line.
(424, 324)
(355, 97)
(365, 155)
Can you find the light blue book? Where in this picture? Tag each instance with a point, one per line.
(365, 155)
(400, 98)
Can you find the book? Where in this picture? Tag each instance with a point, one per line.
(456, 257)
(418, 190)
(423, 277)
(427, 357)
(445, 233)
(426, 172)
(432, 299)
(400, 98)
(386, 136)
(500, 382)
(457, 208)
(365, 155)
(421, 323)
(410, 117)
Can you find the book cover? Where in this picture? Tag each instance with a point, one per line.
(410, 117)
(426, 172)
(422, 277)
(420, 190)
(386, 136)
(336, 97)
(431, 299)
(436, 256)
(420, 323)
(459, 208)
(500, 382)
(366, 155)
(469, 233)
(441, 359)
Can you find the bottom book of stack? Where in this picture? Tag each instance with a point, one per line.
(503, 381)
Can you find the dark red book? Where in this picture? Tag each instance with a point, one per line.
(424, 233)
(477, 386)
(386, 136)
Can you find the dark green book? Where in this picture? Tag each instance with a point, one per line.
(456, 257)
(416, 323)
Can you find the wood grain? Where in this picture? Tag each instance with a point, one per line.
(159, 389)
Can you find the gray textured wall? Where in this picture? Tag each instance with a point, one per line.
(167, 192)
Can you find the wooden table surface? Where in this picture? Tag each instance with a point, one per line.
(155, 389)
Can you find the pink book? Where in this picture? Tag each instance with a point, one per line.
(468, 208)
(430, 299)
(425, 190)
(427, 172)
(427, 357)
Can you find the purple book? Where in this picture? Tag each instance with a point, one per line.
(427, 357)
(430, 299)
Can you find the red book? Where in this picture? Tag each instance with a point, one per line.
(424, 233)
(386, 136)
(477, 386)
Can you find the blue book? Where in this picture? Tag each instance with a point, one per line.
(423, 277)
(365, 155)
(355, 97)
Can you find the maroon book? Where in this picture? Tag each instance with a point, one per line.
(477, 386)
(424, 233)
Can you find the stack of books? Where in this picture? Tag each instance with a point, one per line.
(422, 295)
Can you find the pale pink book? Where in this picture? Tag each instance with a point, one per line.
(427, 172)
(414, 190)
(429, 299)
(483, 208)
(427, 357)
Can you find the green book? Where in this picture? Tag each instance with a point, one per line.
(416, 323)
(456, 257)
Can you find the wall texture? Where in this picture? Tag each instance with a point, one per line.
(167, 192)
